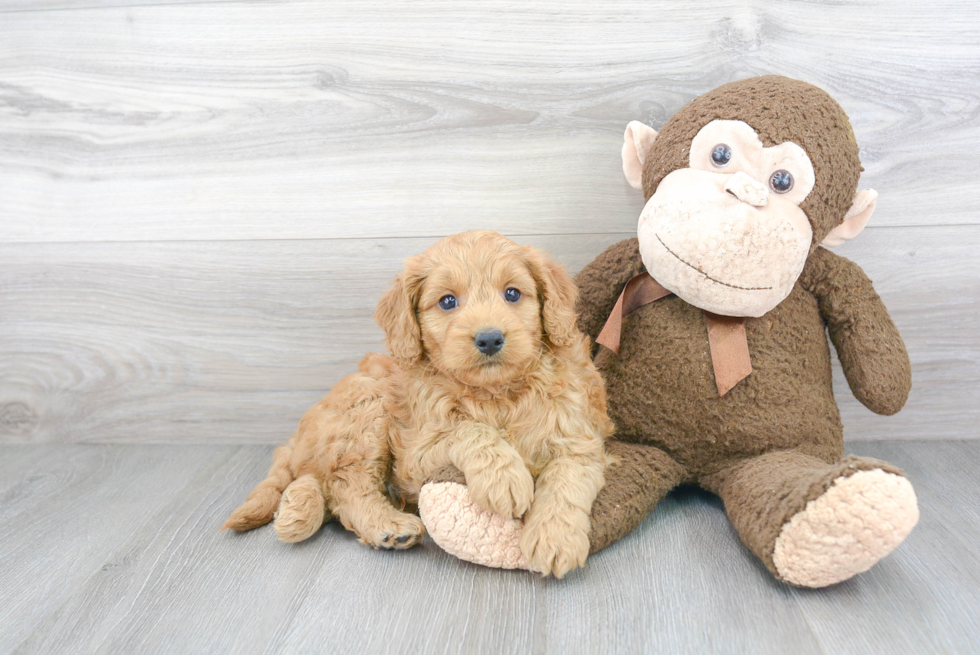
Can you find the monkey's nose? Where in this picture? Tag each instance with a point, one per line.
(489, 342)
(747, 190)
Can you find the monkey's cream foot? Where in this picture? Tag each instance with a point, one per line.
(464, 529)
(847, 529)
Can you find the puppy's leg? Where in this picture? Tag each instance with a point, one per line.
(357, 498)
(352, 457)
(495, 472)
(301, 510)
(555, 539)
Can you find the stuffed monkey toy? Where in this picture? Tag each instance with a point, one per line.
(713, 323)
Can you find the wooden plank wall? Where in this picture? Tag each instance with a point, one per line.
(200, 202)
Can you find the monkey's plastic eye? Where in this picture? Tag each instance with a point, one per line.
(721, 155)
(448, 302)
(512, 295)
(781, 181)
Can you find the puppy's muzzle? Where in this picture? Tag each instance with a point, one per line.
(489, 342)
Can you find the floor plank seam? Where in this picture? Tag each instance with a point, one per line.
(407, 237)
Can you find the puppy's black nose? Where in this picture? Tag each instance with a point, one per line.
(489, 342)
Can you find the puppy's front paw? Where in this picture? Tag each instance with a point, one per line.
(504, 486)
(555, 546)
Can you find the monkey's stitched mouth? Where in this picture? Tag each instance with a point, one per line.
(733, 286)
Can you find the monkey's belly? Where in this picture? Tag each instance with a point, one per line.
(662, 391)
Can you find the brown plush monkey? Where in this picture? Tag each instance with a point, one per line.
(743, 187)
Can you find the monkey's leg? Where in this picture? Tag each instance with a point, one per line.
(812, 523)
(637, 480)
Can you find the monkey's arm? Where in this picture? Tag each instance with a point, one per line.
(868, 344)
(601, 282)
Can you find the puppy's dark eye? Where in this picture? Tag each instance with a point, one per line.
(781, 181)
(448, 302)
(721, 155)
(512, 295)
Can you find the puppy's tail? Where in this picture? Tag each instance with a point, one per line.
(261, 504)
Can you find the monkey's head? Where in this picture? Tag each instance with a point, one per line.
(741, 185)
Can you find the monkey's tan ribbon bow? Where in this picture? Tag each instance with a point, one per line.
(726, 334)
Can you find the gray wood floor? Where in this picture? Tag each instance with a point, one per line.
(116, 549)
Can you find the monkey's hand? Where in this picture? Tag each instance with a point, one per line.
(870, 349)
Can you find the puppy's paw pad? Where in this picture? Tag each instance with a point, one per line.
(394, 533)
(464, 529)
(846, 530)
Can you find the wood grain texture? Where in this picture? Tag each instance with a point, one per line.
(54, 5)
(66, 511)
(232, 341)
(254, 120)
(170, 582)
(149, 576)
(191, 342)
(200, 203)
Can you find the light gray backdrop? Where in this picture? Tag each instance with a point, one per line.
(200, 203)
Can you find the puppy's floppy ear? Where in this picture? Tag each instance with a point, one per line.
(558, 295)
(396, 314)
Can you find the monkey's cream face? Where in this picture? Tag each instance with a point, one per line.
(727, 234)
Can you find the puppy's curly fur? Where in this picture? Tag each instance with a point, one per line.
(525, 425)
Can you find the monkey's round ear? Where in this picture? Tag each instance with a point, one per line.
(637, 142)
(855, 219)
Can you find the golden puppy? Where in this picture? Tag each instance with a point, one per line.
(488, 373)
